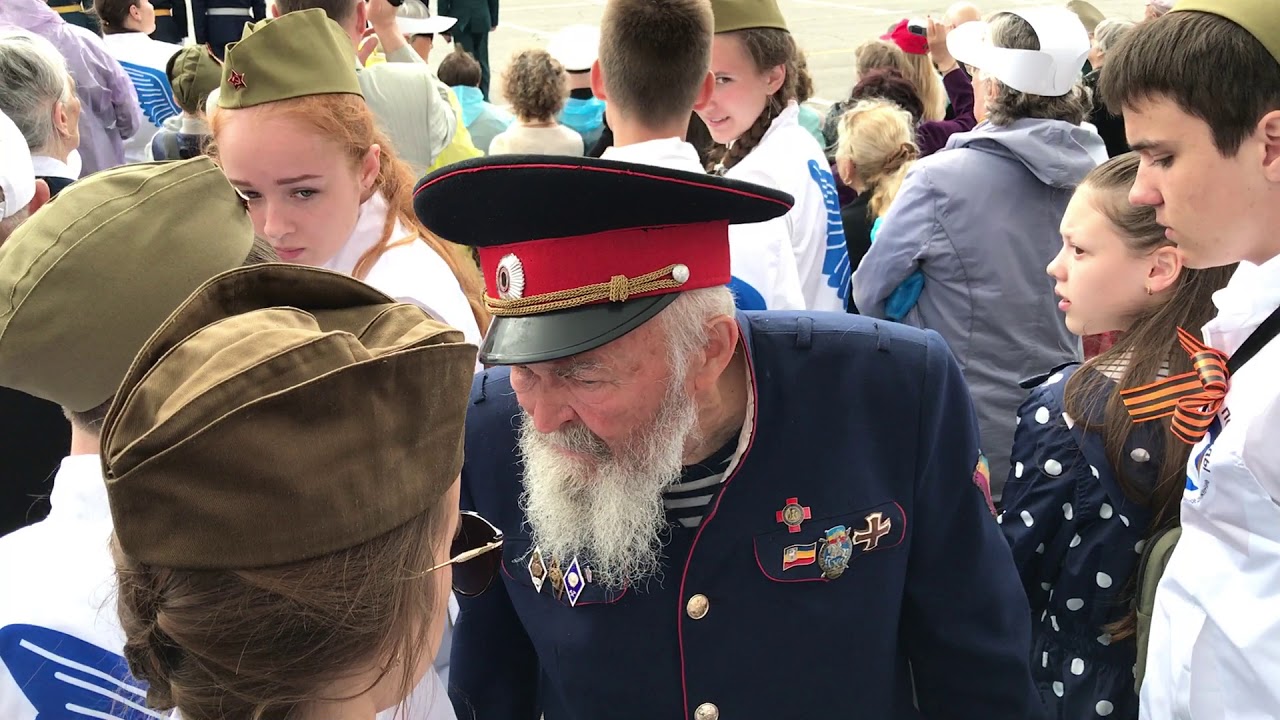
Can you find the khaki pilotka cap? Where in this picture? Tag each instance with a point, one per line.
(1090, 16)
(1261, 18)
(282, 413)
(734, 15)
(196, 73)
(87, 279)
(295, 55)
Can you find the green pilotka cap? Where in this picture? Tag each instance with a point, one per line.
(1090, 16)
(295, 55)
(734, 15)
(87, 279)
(1261, 18)
(283, 412)
(196, 73)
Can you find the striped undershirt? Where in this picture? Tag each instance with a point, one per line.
(687, 499)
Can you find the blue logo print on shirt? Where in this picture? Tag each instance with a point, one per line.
(155, 95)
(835, 265)
(746, 297)
(65, 677)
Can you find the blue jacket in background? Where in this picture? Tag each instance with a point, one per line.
(584, 116)
(483, 119)
(865, 423)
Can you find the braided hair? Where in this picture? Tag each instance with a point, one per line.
(768, 48)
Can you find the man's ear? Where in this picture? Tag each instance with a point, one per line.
(597, 81)
(722, 342)
(275, 10)
(1269, 130)
(705, 91)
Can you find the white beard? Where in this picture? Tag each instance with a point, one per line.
(607, 511)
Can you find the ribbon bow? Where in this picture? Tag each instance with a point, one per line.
(1192, 398)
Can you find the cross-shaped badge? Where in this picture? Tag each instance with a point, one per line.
(793, 514)
(236, 80)
(877, 527)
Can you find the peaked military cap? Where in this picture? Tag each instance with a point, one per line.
(559, 283)
(295, 55)
(283, 412)
(92, 274)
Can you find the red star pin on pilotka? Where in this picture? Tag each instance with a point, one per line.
(793, 514)
(236, 80)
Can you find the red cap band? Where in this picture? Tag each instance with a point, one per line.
(539, 267)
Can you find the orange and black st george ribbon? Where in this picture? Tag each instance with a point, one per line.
(1192, 399)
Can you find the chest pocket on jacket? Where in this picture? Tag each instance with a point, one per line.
(828, 547)
(522, 566)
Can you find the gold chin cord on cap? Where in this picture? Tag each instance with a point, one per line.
(618, 289)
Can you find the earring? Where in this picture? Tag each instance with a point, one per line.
(1148, 289)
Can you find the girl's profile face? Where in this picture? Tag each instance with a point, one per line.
(1102, 283)
(302, 190)
(741, 89)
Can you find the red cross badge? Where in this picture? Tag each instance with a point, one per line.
(793, 514)
(236, 80)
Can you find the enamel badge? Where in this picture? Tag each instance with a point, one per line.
(793, 514)
(574, 582)
(537, 570)
(834, 552)
(799, 555)
(869, 536)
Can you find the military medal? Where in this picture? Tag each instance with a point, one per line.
(537, 570)
(799, 555)
(556, 575)
(877, 527)
(834, 552)
(574, 583)
(793, 514)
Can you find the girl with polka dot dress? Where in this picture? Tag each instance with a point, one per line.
(1087, 487)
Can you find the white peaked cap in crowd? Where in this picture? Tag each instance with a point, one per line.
(1051, 71)
(1165, 5)
(576, 47)
(17, 176)
(415, 18)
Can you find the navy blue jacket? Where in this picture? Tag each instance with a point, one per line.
(1077, 541)
(852, 417)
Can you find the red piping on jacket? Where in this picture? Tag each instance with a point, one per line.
(684, 573)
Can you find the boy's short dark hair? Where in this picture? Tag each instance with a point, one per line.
(1207, 65)
(654, 55)
(459, 68)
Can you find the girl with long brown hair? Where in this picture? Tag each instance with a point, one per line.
(754, 116)
(1088, 487)
(321, 181)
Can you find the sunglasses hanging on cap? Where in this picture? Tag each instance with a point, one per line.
(474, 557)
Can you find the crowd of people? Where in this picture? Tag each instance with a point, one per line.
(332, 386)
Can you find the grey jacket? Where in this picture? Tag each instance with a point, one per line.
(980, 219)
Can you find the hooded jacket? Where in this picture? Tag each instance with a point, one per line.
(980, 219)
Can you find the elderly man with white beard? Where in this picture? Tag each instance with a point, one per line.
(710, 514)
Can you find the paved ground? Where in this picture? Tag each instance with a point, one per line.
(828, 30)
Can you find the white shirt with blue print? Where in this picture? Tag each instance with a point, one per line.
(790, 160)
